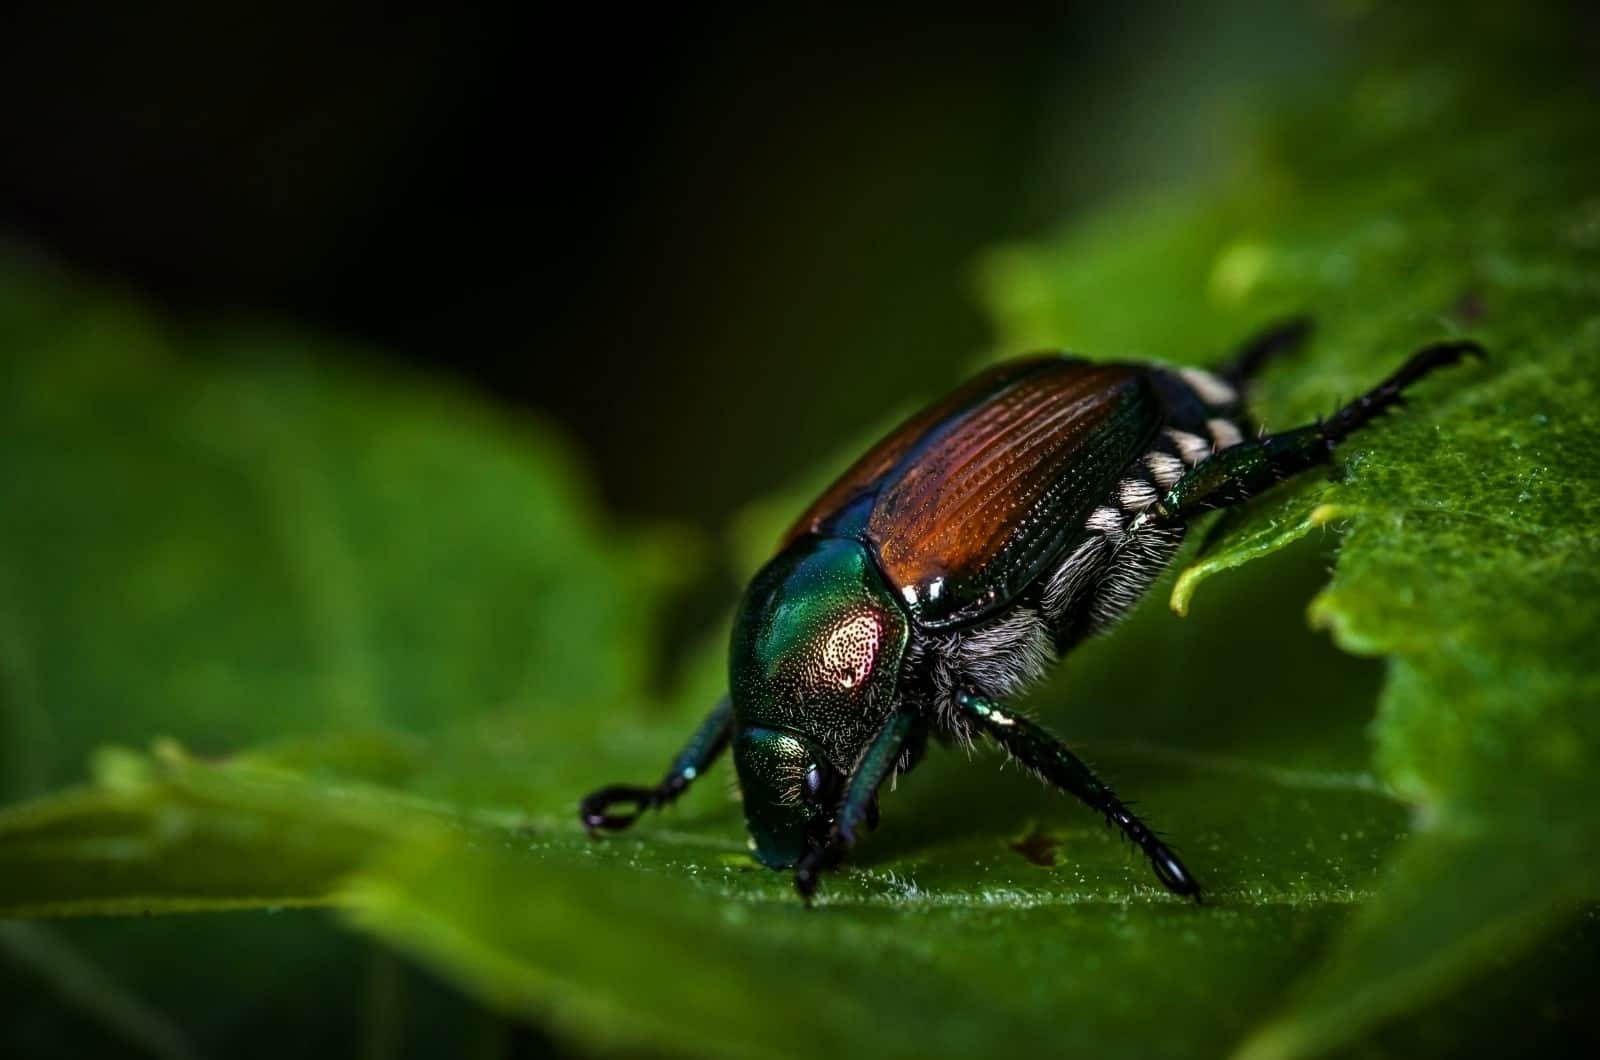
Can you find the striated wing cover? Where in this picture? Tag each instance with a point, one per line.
(969, 501)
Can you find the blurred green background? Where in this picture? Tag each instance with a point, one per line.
(393, 405)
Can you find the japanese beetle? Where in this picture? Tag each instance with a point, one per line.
(965, 553)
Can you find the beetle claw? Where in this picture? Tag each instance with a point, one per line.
(817, 860)
(1170, 871)
(592, 810)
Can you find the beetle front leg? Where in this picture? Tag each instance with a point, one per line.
(1239, 472)
(703, 747)
(1040, 751)
(859, 802)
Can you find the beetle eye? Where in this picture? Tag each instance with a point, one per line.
(821, 786)
(811, 787)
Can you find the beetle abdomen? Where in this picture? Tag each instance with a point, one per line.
(1104, 572)
(1101, 572)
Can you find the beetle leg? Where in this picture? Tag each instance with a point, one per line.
(859, 803)
(703, 747)
(1285, 336)
(1040, 751)
(1240, 471)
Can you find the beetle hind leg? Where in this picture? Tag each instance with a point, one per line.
(1268, 344)
(1205, 408)
(1391, 392)
(708, 741)
(1233, 475)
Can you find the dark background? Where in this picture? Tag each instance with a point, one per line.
(709, 244)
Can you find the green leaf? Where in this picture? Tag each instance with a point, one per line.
(1468, 551)
(648, 939)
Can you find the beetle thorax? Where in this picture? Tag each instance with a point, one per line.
(817, 647)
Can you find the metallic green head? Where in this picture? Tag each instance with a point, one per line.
(815, 659)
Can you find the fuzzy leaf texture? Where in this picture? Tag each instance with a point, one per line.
(274, 634)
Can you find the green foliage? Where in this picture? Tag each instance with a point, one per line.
(379, 642)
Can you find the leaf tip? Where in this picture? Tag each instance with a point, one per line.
(1183, 589)
(1323, 514)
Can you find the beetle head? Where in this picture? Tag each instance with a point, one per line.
(789, 792)
(813, 668)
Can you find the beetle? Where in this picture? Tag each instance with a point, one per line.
(945, 571)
